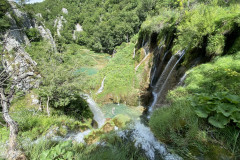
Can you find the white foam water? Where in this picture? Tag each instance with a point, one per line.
(80, 136)
(143, 138)
(98, 116)
(100, 90)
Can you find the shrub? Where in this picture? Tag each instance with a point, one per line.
(33, 34)
(219, 108)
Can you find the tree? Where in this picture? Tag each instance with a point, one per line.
(8, 87)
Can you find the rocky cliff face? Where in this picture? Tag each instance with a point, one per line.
(46, 35)
(16, 60)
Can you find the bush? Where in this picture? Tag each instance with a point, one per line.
(220, 108)
(175, 125)
(33, 35)
(4, 20)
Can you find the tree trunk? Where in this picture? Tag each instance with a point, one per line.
(48, 109)
(13, 152)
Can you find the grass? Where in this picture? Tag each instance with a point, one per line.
(120, 82)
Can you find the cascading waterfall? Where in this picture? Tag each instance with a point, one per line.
(143, 138)
(153, 75)
(160, 49)
(98, 115)
(165, 76)
(182, 79)
(159, 69)
(134, 52)
(100, 90)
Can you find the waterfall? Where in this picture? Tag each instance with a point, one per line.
(136, 68)
(98, 115)
(145, 53)
(134, 52)
(160, 48)
(100, 90)
(165, 76)
(158, 70)
(80, 136)
(153, 75)
(155, 98)
(182, 79)
(143, 138)
(143, 42)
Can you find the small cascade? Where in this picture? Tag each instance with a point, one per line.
(98, 115)
(156, 62)
(153, 75)
(182, 79)
(136, 68)
(143, 42)
(134, 52)
(165, 76)
(80, 136)
(143, 138)
(100, 90)
(155, 96)
(159, 68)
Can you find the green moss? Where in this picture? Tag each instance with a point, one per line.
(121, 120)
(4, 134)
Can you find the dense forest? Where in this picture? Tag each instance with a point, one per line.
(120, 79)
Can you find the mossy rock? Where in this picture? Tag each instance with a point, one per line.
(121, 120)
(108, 127)
(94, 136)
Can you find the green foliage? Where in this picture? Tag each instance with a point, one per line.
(4, 134)
(209, 21)
(60, 83)
(114, 148)
(60, 151)
(180, 130)
(219, 108)
(117, 21)
(120, 82)
(205, 110)
(4, 20)
(34, 123)
(78, 107)
(33, 35)
(216, 76)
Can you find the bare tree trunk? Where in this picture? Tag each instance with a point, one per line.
(48, 109)
(13, 152)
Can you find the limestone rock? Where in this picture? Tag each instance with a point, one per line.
(16, 61)
(78, 28)
(59, 24)
(46, 35)
(64, 10)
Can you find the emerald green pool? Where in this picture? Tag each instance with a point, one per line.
(111, 110)
(88, 71)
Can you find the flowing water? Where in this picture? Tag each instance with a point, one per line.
(158, 69)
(182, 79)
(155, 63)
(165, 77)
(143, 138)
(100, 90)
(98, 115)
